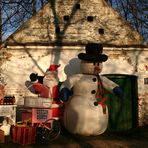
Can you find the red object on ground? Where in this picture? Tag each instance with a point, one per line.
(2, 137)
(2, 92)
(24, 135)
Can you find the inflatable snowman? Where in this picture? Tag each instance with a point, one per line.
(85, 110)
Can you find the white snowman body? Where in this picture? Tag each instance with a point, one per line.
(81, 116)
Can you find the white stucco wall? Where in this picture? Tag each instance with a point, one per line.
(22, 62)
(132, 62)
(19, 62)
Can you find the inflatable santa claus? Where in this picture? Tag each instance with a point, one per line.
(49, 88)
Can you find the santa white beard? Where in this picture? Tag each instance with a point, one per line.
(50, 82)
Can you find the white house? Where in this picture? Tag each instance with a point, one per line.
(60, 31)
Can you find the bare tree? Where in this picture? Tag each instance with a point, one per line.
(34, 7)
(16, 12)
(135, 12)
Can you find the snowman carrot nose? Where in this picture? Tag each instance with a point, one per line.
(97, 68)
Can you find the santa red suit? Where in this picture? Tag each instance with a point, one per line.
(49, 89)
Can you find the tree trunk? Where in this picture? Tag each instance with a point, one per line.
(34, 7)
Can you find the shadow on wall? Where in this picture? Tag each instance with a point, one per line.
(73, 67)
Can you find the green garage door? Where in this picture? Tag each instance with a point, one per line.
(123, 116)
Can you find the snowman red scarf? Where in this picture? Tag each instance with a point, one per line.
(101, 98)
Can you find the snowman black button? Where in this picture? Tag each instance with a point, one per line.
(95, 103)
(94, 79)
(93, 91)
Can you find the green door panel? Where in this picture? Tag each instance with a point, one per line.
(123, 115)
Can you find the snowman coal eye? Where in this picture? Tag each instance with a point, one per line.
(86, 61)
(96, 63)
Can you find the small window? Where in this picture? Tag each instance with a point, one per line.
(66, 17)
(77, 6)
(90, 18)
(57, 30)
(101, 31)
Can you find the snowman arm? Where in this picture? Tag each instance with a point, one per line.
(66, 90)
(66, 84)
(108, 84)
(65, 93)
(71, 81)
(119, 92)
(112, 87)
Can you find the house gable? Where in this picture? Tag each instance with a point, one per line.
(76, 21)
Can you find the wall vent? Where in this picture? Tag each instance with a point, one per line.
(57, 30)
(101, 31)
(90, 18)
(77, 6)
(66, 17)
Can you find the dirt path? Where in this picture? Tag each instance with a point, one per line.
(137, 138)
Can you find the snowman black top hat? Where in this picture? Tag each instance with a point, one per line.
(93, 53)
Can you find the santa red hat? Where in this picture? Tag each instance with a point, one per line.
(52, 68)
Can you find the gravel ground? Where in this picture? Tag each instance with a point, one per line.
(135, 138)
